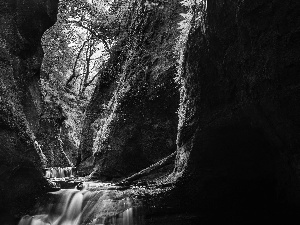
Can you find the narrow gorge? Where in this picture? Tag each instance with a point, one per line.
(177, 111)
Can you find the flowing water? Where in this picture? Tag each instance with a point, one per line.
(106, 204)
(95, 204)
(59, 172)
(74, 207)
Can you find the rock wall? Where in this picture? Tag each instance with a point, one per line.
(51, 137)
(238, 136)
(22, 24)
(131, 121)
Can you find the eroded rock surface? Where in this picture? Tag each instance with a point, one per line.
(22, 24)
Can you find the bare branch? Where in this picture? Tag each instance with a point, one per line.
(75, 64)
(91, 81)
(101, 37)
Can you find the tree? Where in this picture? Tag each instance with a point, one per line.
(76, 48)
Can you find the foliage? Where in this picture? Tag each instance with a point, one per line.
(86, 35)
(148, 49)
(76, 48)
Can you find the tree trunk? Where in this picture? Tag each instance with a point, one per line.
(165, 161)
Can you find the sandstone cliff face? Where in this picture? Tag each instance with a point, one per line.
(22, 24)
(238, 137)
(131, 121)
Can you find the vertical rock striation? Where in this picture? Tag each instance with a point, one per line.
(22, 24)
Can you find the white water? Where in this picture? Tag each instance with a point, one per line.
(66, 212)
(59, 172)
(73, 207)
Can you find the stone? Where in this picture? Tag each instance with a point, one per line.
(131, 121)
(22, 24)
(238, 135)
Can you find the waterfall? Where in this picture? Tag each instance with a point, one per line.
(66, 211)
(74, 207)
(59, 172)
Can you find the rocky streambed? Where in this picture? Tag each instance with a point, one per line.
(79, 201)
(91, 202)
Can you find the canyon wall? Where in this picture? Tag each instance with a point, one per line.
(239, 127)
(22, 24)
(131, 121)
(52, 136)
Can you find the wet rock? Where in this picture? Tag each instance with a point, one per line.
(21, 28)
(50, 135)
(79, 186)
(20, 186)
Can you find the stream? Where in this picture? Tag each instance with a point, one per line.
(78, 201)
(94, 204)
